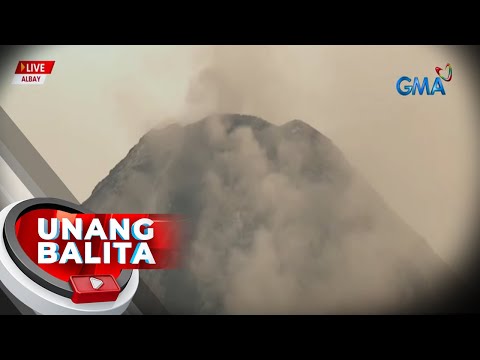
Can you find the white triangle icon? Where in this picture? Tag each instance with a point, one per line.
(96, 283)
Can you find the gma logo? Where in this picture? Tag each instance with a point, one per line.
(404, 88)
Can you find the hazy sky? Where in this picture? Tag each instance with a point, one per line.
(416, 151)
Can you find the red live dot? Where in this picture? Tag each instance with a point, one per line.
(94, 288)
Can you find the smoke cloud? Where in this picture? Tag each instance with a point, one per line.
(416, 152)
(273, 238)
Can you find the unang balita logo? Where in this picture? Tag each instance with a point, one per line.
(407, 86)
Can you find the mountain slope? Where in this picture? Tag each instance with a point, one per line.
(279, 221)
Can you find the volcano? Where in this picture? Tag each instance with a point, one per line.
(279, 222)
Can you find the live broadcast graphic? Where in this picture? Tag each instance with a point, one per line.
(240, 180)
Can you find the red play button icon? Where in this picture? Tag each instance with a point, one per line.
(94, 288)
